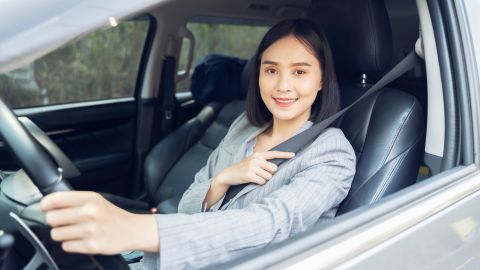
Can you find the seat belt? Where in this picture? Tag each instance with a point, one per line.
(167, 88)
(302, 140)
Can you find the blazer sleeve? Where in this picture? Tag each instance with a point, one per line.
(202, 239)
(193, 197)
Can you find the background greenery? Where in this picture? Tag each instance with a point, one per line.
(100, 65)
(104, 64)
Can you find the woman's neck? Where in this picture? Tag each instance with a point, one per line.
(284, 129)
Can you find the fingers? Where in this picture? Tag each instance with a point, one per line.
(67, 233)
(268, 166)
(264, 175)
(82, 246)
(65, 199)
(264, 170)
(63, 217)
(275, 154)
(255, 178)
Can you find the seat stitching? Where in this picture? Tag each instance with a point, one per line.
(398, 132)
(370, 178)
(368, 124)
(383, 185)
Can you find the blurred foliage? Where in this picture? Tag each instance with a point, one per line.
(105, 64)
(234, 40)
(101, 65)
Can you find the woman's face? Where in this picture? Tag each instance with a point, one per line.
(289, 79)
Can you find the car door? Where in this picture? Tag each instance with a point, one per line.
(84, 97)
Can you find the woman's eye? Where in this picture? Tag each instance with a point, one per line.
(299, 72)
(270, 71)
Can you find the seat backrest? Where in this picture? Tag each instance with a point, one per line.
(386, 129)
(171, 165)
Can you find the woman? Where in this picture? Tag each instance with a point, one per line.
(293, 86)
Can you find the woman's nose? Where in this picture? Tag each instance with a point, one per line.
(284, 84)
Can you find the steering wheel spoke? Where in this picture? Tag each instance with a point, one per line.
(41, 254)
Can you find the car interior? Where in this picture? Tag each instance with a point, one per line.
(142, 152)
(387, 130)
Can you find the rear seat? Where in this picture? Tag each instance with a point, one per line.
(171, 165)
(219, 82)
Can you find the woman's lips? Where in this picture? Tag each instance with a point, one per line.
(285, 102)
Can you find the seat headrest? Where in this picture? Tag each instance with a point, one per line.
(359, 33)
(217, 78)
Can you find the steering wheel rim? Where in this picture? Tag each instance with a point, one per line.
(41, 169)
(32, 157)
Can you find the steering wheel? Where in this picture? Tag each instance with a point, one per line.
(42, 169)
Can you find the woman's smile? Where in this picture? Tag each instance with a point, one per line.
(289, 80)
(285, 102)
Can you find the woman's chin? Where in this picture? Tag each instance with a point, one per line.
(290, 115)
(285, 116)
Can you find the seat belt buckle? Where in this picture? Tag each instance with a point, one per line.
(168, 112)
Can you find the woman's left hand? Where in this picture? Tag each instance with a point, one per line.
(85, 222)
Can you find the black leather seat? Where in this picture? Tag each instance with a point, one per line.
(171, 165)
(387, 129)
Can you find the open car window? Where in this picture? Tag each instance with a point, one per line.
(101, 65)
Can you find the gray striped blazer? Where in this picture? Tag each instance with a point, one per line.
(304, 191)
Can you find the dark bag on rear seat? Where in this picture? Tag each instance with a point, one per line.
(213, 77)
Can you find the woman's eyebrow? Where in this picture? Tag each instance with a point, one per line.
(268, 62)
(299, 64)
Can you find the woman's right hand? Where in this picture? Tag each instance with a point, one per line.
(254, 169)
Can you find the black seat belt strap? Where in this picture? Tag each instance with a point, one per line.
(302, 140)
(167, 89)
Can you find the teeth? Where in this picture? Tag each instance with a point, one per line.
(285, 100)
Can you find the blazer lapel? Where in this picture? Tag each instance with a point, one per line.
(239, 154)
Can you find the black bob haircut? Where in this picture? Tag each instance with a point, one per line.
(308, 33)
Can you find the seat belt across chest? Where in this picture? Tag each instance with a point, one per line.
(302, 140)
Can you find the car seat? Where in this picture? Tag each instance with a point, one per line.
(387, 129)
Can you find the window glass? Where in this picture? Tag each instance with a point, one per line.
(233, 39)
(182, 64)
(102, 65)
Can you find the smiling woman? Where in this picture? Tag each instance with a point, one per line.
(292, 87)
(293, 63)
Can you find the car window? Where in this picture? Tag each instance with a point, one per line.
(220, 36)
(101, 65)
